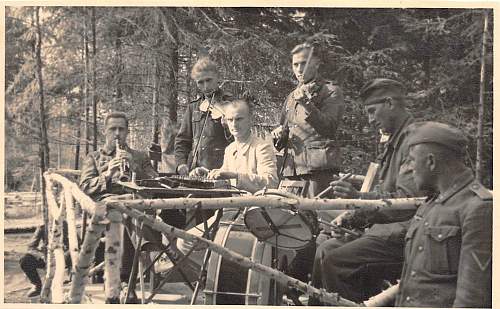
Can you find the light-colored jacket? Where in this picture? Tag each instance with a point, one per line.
(254, 162)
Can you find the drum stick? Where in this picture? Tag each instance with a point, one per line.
(337, 227)
(343, 178)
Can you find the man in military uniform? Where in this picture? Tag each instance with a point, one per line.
(448, 253)
(310, 118)
(355, 269)
(202, 137)
(309, 121)
(35, 258)
(101, 172)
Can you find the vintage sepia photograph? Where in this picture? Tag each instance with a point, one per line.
(273, 156)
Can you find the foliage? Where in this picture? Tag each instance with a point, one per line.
(144, 55)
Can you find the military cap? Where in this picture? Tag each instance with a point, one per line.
(437, 133)
(380, 83)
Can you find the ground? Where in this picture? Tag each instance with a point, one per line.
(16, 285)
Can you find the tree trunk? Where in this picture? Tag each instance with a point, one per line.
(78, 133)
(156, 120)
(480, 118)
(44, 143)
(94, 83)
(173, 62)
(86, 80)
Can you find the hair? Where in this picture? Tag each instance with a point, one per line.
(308, 46)
(240, 102)
(116, 115)
(204, 64)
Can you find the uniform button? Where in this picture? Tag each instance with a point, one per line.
(408, 298)
(426, 223)
(475, 186)
(203, 136)
(440, 236)
(413, 273)
(420, 248)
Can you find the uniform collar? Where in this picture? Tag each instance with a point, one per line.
(395, 136)
(243, 147)
(462, 180)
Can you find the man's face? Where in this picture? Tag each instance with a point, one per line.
(238, 120)
(380, 115)
(207, 82)
(299, 61)
(420, 164)
(116, 128)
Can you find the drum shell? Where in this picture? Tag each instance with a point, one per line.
(226, 276)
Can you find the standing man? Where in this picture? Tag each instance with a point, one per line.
(355, 269)
(309, 122)
(202, 137)
(448, 253)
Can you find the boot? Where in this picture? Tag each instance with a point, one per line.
(34, 291)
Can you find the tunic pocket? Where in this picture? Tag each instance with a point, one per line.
(443, 245)
(321, 155)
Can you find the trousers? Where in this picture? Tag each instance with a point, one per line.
(356, 269)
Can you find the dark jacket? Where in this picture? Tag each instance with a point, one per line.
(93, 181)
(395, 181)
(448, 252)
(312, 142)
(214, 140)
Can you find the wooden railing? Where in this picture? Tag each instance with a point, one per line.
(63, 194)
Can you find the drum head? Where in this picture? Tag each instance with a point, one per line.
(279, 227)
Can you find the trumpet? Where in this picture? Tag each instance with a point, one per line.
(124, 166)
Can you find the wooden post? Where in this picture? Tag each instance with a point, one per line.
(72, 230)
(55, 242)
(87, 252)
(112, 255)
(480, 117)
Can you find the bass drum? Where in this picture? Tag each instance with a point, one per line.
(230, 284)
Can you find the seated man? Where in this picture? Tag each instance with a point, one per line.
(448, 251)
(355, 269)
(249, 162)
(101, 171)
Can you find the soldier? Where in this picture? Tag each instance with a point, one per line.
(355, 269)
(202, 137)
(35, 258)
(448, 253)
(309, 121)
(100, 174)
(310, 118)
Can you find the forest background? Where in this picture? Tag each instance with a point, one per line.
(66, 67)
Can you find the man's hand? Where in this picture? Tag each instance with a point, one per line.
(113, 167)
(277, 133)
(219, 174)
(183, 170)
(199, 172)
(344, 189)
(344, 219)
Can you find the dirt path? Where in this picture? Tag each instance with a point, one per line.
(16, 285)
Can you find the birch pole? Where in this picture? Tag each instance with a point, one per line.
(480, 118)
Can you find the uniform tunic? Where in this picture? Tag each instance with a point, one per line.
(214, 139)
(96, 185)
(312, 145)
(448, 249)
